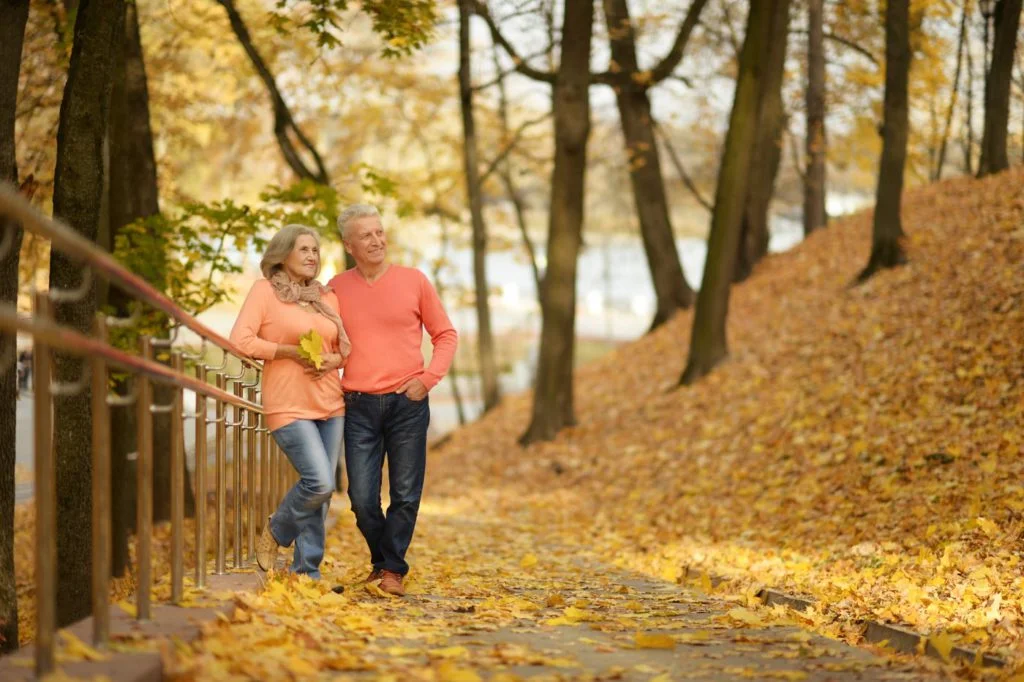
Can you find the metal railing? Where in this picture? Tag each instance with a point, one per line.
(260, 474)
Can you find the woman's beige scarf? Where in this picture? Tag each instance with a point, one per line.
(293, 292)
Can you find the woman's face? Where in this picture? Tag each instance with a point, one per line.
(303, 262)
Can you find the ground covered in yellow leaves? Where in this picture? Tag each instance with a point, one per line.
(496, 598)
(862, 446)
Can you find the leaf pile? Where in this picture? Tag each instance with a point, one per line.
(861, 445)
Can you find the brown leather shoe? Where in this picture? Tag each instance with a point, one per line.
(375, 575)
(391, 583)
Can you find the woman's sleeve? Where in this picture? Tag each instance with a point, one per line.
(245, 333)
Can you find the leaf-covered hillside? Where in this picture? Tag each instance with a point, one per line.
(861, 445)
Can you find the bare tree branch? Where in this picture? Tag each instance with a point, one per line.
(845, 42)
(284, 123)
(680, 169)
(669, 63)
(481, 10)
(510, 147)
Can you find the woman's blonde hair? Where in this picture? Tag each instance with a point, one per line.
(282, 244)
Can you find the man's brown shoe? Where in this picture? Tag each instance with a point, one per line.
(375, 575)
(391, 583)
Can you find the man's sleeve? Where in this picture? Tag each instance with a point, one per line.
(442, 334)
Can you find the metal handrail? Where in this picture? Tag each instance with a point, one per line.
(70, 341)
(72, 244)
(254, 470)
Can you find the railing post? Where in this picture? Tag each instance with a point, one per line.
(237, 460)
(221, 429)
(200, 479)
(252, 423)
(144, 504)
(265, 492)
(46, 494)
(177, 485)
(101, 517)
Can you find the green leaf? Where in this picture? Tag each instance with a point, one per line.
(311, 346)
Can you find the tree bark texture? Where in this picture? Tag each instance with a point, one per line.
(13, 17)
(815, 212)
(708, 344)
(954, 92)
(553, 396)
(670, 287)
(968, 137)
(997, 88)
(764, 166)
(77, 197)
(134, 195)
(485, 337)
(887, 230)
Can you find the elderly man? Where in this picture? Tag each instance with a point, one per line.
(385, 308)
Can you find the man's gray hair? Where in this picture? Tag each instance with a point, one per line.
(281, 245)
(355, 212)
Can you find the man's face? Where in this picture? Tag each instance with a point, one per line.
(366, 242)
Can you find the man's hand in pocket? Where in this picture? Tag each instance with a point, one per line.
(413, 390)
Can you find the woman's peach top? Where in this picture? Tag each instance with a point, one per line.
(289, 393)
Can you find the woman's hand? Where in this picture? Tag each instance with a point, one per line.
(291, 352)
(332, 362)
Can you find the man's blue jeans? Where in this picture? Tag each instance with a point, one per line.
(313, 447)
(394, 424)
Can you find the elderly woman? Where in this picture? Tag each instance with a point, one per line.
(303, 403)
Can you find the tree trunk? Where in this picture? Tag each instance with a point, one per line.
(708, 344)
(887, 230)
(77, 195)
(13, 17)
(968, 142)
(961, 47)
(553, 396)
(771, 124)
(134, 194)
(815, 212)
(485, 337)
(997, 89)
(670, 287)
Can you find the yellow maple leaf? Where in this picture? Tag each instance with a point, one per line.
(528, 561)
(745, 616)
(450, 672)
(450, 652)
(943, 644)
(311, 346)
(645, 640)
(76, 649)
(301, 667)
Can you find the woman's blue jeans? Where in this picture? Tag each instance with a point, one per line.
(313, 446)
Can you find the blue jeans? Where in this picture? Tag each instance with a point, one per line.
(313, 447)
(394, 424)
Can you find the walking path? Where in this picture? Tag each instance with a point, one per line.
(490, 599)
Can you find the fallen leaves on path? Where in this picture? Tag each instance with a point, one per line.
(862, 446)
(473, 613)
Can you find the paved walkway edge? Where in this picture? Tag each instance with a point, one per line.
(895, 637)
(168, 623)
